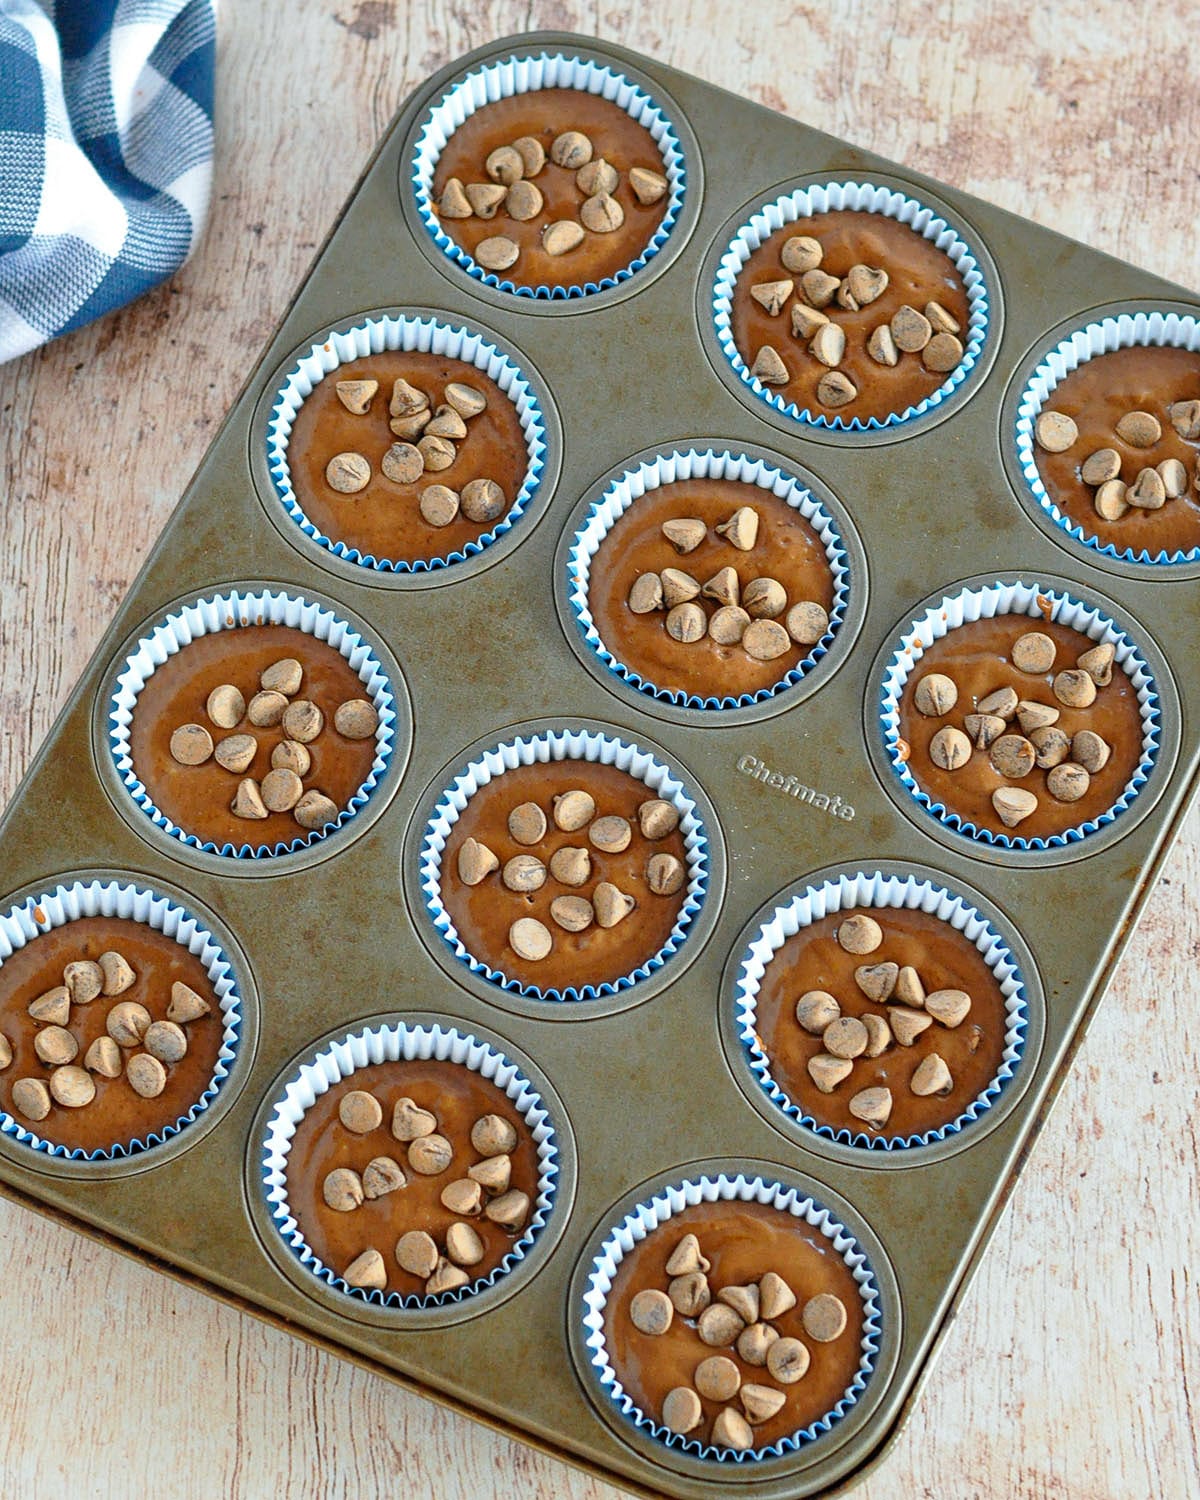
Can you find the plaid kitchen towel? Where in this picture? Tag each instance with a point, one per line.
(106, 147)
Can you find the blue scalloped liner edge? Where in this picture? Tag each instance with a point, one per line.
(578, 572)
(673, 163)
(760, 1064)
(1027, 411)
(974, 284)
(1151, 724)
(384, 747)
(548, 1168)
(793, 1442)
(232, 1019)
(430, 871)
(278, 439)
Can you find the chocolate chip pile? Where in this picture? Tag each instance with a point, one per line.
(739, 1319)
(484, 1190)
(427, 444)
(933, 334)
(511, 190)
(1153, 485)
(137, 1045)
(275, 705)
(571, 866)
(910, 1012)
(745, 615)
(1069, 761)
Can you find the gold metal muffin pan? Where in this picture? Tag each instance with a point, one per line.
(336, 935)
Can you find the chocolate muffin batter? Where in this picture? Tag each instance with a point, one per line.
(383, 520)
(786, 549)
(483, 914)
(117, 1115)
(457, 1097)
(977, 656)
(812, 959)
(1096, 396)
(743, 1241)
(545, 114)
(197, 798)
(918, 273)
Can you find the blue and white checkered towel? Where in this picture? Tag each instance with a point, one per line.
(106, 145)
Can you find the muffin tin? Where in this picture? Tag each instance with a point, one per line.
(648, 1088)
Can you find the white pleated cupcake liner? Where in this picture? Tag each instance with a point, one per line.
(523, 75)
(865, 197)
(1127, 330)
(560, 745)
(231, 611)
(412, 335)
(1034, 600)
(650, 1216)
(669, 468)
(395, 1044)
(23, 924)
(879, 892)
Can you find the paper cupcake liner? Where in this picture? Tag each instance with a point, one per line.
(649, 1216)
(23, 924)
(522, 75)
(229, 611)
(692, 464)
(1125, 331)
(558, 745)
(866, 197)
(402, 1043)
(1018, 599)
(880, 892)
(412, 335)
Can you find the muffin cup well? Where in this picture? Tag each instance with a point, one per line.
(1105, 336)
(401, 1040)
(1039, 603)
(559, 745)
(651, 1214)
(878, 890)
(829, 197)
(668, 468)
(41, 913)
(410, 334)
(526, 74)
(229, 611)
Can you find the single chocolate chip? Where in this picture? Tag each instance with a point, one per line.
(910, 329)
(54, 1006)
(315, 810)
(717, 1378)
(760, 1402)
(942, 353)
(347, 473)
(72, 1087)
(940, 320)
(1032, 715)
(766, 640)
(1068, 782)
(103, 1057)
(907, 1025)
(1002, 703)
(872, 1106)
(1013, 756)
(266, 709)
(597, 176)
(1147, 492)
(651, 1312)
(1090, 751)
(1140, 429)
(819, 287)
(482, 500)
(828, 345)
(186, 1005)
(740, 531)
(1098, 663)
(438, 503)
(648, 187)
(731, 1430)
(806, 622)
(236, 752)
(718, 1326)
(611, 834)
(31, 1098)
(602, 214)
(646, 595)
(356, 719)
(754, 1342)
(859, 934)
(1075, 689)
(1102, 465)
(402, 463)
(406, 399)
(787, 1361)
(505, 164)
(191, 745)
(764, 599)
(290, 755)
(226, 706)
(1033, 653)
(909, 989)
(410, 1122)
(935, 695)
(530, 939)
(687, 1256)
(527, 823)
(533, 157)
(360, 1111)
(247, 801)
(1174, 478)
(465, 399)
(686, 623)
(281, 790)
(769, 367)
(681, 1408)
(806, 320)
(1014, 804)
(510, 1210)
(1055, 432)
(949, 748)
(465, 1197)
(356, 395)
(561, 237)
(430, 1155)
(463, 1245)
(571, 865)
(665, 874)
(492, 1174)
(127, 1023)
(366, 1271)
(166, 1041)
(984, 729)
(611, 904)
(1185, 419)
(879, 1034)
(524, 873)
(835, 389)
(485, 199)
(867, 283)
(498, 252)
(446, 1277)
(55, 1045)
(84, 980)
(147, 1076)
(845, 1037)
(572, 149)
(801, 253)
(931, 1076)
(827, 1072)
(689, 1294)
(685, 534)
(815, 1009)
(417, 1253)
(1051, 746)
(454, 203)
(877, 981)
(950, 1007)
(727, 625)
(881, 346)
(772, 295)
(572, 913)
(775, 1297)
(382, 1175)
(1110, 500)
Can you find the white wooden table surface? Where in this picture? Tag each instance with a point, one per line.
(1068, 1372)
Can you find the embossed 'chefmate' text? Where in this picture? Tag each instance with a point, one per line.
(792, 786)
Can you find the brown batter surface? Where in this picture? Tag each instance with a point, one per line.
(918, 272)
(484, 913)
(813, 960)
(977, 657)
(743, 1241)
(1096, 396)
(384, 520)
(787, 549)
(117, 1115)
(545, 114)
(457, 1097)
(197, 798)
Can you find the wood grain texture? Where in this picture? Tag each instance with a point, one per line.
(1070, 1369)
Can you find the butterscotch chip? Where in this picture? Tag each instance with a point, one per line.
(402, 463)
(1055, 432)
(940, 320)
(146, 1075)
(731, 1430)
(1174, 478)
(931, 1076)
(347, 473)
(787, 1361)
(463, 1245)
(717, 1378)
(411, 427)
(54, 1006)
(454, 203)
(430, 1155)
(827, 1072)
(356, 395)
(872, 1106)
(406, 399)
(360, 1111)
(247, 801)
(438, 504)
(723, 587)
(806, 622)
(410, 1122)
(935, 695)
(689, 1293)
(1076, 689)
(437, 453)
(1140, 429)
(575, 809)
(282, 676)
(530, 939)
(561, 237)
(1031, 715)
(760, 1402)
(1002, 703)
(236, 752)
(186, 1005)
(505, 164)
(879, 1034)
(103, 1057)
(1068, 782)
(740, 531)
(527, 823)
(881, 346)
(950, 1007)
(815, 1010)
(485, 199)
(845, 1037)
(572, 913)
(191, 745)
(949, 748)
(127, 1023)
(166, 1041)
(648, 187)
(510, 1209)
(818, 287)
(907, 1025)
(1147, 492)
(646, 595)
(1100, 466)
(31, 1098)
(681, 1409)
(315, 811)
(533, 156)
(492, 1174)
(1051, 746)
(877, 981)
(572, 149)
(1090, 751)
(835, 389)
(859, 934)
(417, 1253)
(678, 587)
(769, 367)
(665, 874)
(524, 873)
(281, 790)
(1013, 756)
(772, 295)
(446, 423)
(727, 625)
(463, 1197)
(266, 709)
(611, 834)
(754, 1342)
(775, 1297)
(1014, 804)
(482, 500)
(910, 329)
(685, 534)
(611, 904)
(984, 729)
(806, 320)
(718, 1325)
(382, 1175)
(446, 1277)
(651, 1312)
(764, 598)
(55, 1045)
(465, 399)
(84, 980)
(1110, 500)
(366, 1271)
(743, 1300)
(571, 865)
(765, 640)
(356, 719)
(290, 755)
(72, 1087)
(687, 1256)
(1185, 419)
(1033, 653)
(498, 252)
(942, 353)
(523, 202)
(597, 176)
(866, 283)
(225, 706)
(602, 214)
(909, 989)
(1098, 663)
(801, 253)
